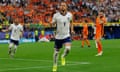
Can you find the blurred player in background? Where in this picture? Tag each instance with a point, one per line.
(16, 33)
(85, 34)
(100, 22)
(63, 21)
(43, 37)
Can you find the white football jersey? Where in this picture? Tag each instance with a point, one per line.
(63, 25)
(15, 31)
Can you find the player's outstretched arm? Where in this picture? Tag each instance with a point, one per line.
(72, 27)
(21, 35)
(8, 29)
(22, 31)
(5, 30)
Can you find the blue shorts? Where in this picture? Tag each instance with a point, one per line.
(15, 42)
(59, 42)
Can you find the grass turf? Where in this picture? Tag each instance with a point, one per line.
(37, 57)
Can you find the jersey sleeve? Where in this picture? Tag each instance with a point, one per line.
(21, 28)
(105, 20)
(71, 18)
(10, 27)
(54, 18)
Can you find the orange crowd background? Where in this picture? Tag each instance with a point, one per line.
(41, 11)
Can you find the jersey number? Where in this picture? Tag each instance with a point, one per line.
(64, 23)
(15, 30)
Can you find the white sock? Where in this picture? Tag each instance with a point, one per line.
(96, 44)
(15, 48)
(10, 48)
(55, 57)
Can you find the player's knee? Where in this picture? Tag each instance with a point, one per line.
(56, 53)
(15, 47)
(57, 50)
(68, 47)
(97, 40)
(10, 45)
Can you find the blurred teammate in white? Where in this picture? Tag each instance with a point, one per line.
(16, 33)
(63, 21)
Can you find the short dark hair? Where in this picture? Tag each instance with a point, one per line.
(62, 2)
(101, 11)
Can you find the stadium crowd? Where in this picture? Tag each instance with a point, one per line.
(41, 11)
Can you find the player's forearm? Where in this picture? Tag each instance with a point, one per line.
(21, 35)
(102, 25)
(6, 30)
(72, 28)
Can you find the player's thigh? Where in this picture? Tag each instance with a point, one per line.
(98, 37)
(11, 44)
(67, 43)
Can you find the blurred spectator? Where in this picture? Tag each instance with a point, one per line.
(41, 11)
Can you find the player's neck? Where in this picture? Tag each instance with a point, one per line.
(63, 12)
(16, 24)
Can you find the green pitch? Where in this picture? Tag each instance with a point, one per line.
(37, 57)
